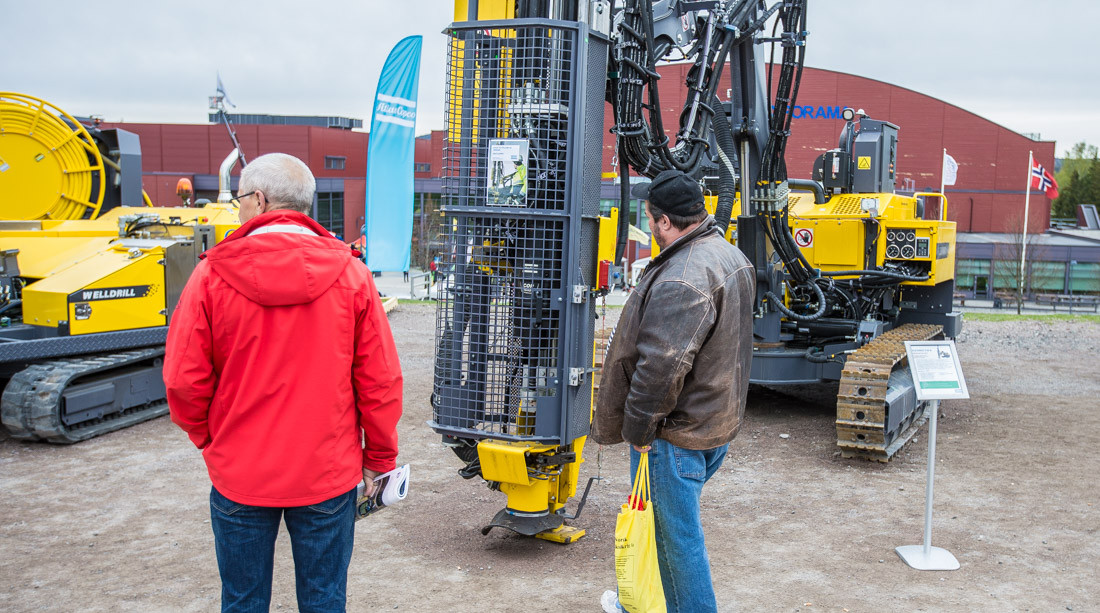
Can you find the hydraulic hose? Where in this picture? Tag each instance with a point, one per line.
(809, 185)
(624, 207)
(9, 306)
(640, 123)
(778, 303)
(727, 149)
(874, 273)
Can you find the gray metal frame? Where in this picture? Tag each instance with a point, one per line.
(537, 309)
(23, 343)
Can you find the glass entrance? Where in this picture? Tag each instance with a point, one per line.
(981, 286)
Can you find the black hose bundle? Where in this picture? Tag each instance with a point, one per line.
(792, 17)
(645, 146)
(822, 305)
(642, 143)
(727, 162)
(900, 276)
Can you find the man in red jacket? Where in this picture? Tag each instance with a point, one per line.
(281, 368)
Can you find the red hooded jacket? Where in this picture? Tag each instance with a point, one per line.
(281, 366)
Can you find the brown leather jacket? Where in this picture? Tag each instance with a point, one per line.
(678, 363)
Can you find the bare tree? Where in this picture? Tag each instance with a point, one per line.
(426, 234)
(1008, 260)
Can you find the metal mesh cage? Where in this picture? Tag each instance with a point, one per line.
(506, 82)
(512, 336)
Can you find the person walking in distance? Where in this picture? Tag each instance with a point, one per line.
(281, 367)
(675, 377)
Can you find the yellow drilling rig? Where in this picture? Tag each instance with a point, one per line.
(847, 270)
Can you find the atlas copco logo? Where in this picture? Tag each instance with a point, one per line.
(109, 293)
(397, 111)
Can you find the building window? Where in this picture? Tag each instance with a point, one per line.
(1047, 276)
(967, 272)
(330, 211)
(1006, 273)
(335, 162)
(422, 167)
(1084, 277)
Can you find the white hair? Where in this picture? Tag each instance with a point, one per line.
(284, 179)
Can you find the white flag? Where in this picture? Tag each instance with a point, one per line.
(950, 169)
(221, 90)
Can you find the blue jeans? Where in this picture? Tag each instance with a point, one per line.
(321, 537)
(676, 478)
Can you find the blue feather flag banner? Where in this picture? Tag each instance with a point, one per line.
(389, 204)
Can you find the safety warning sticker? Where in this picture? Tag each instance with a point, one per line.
(864, 162)
(804, 237)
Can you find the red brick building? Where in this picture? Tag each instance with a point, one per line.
(338, 158)
(988, 197)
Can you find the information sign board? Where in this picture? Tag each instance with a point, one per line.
(937, 374)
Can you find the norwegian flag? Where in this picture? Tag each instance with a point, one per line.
(1043, 181)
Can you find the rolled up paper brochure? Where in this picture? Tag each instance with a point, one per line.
(391, 487)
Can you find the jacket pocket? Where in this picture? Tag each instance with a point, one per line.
(223, 504)
(331, 506)
(690, 464)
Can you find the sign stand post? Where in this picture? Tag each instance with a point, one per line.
(936, 375)
(927, 557)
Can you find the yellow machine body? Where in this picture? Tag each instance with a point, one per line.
(85, 275)
(486, 10)
(609, 228)
(833, 236)
(222, 217)
(531, 488)
(118, 288)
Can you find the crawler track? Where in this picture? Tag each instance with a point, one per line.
(862, 414)
(33, 405)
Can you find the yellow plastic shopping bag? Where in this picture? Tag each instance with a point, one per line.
(636, 570)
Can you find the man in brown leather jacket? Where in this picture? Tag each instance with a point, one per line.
(676, 375)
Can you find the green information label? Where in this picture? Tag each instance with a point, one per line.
(939, 385)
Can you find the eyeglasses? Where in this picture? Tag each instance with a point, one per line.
(238, 199)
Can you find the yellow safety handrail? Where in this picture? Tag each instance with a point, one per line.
(943, 199)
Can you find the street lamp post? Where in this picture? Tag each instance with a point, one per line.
(1069, 277)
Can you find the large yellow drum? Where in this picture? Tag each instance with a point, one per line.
(50, 167)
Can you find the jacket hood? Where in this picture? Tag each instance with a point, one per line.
(280, 265)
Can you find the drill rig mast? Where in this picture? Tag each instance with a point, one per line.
(512, 391)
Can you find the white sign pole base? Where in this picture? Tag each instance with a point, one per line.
(933, 558)
(927, 557)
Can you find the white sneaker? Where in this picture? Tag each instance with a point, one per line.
(610, 602)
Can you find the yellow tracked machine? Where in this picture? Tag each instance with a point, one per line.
(89, 275)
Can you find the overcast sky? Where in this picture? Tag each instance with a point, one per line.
(1027, 65)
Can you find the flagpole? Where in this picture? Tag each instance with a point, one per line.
(943, 179)
(1027, 202)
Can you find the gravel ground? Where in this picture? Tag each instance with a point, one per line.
(121, 523)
